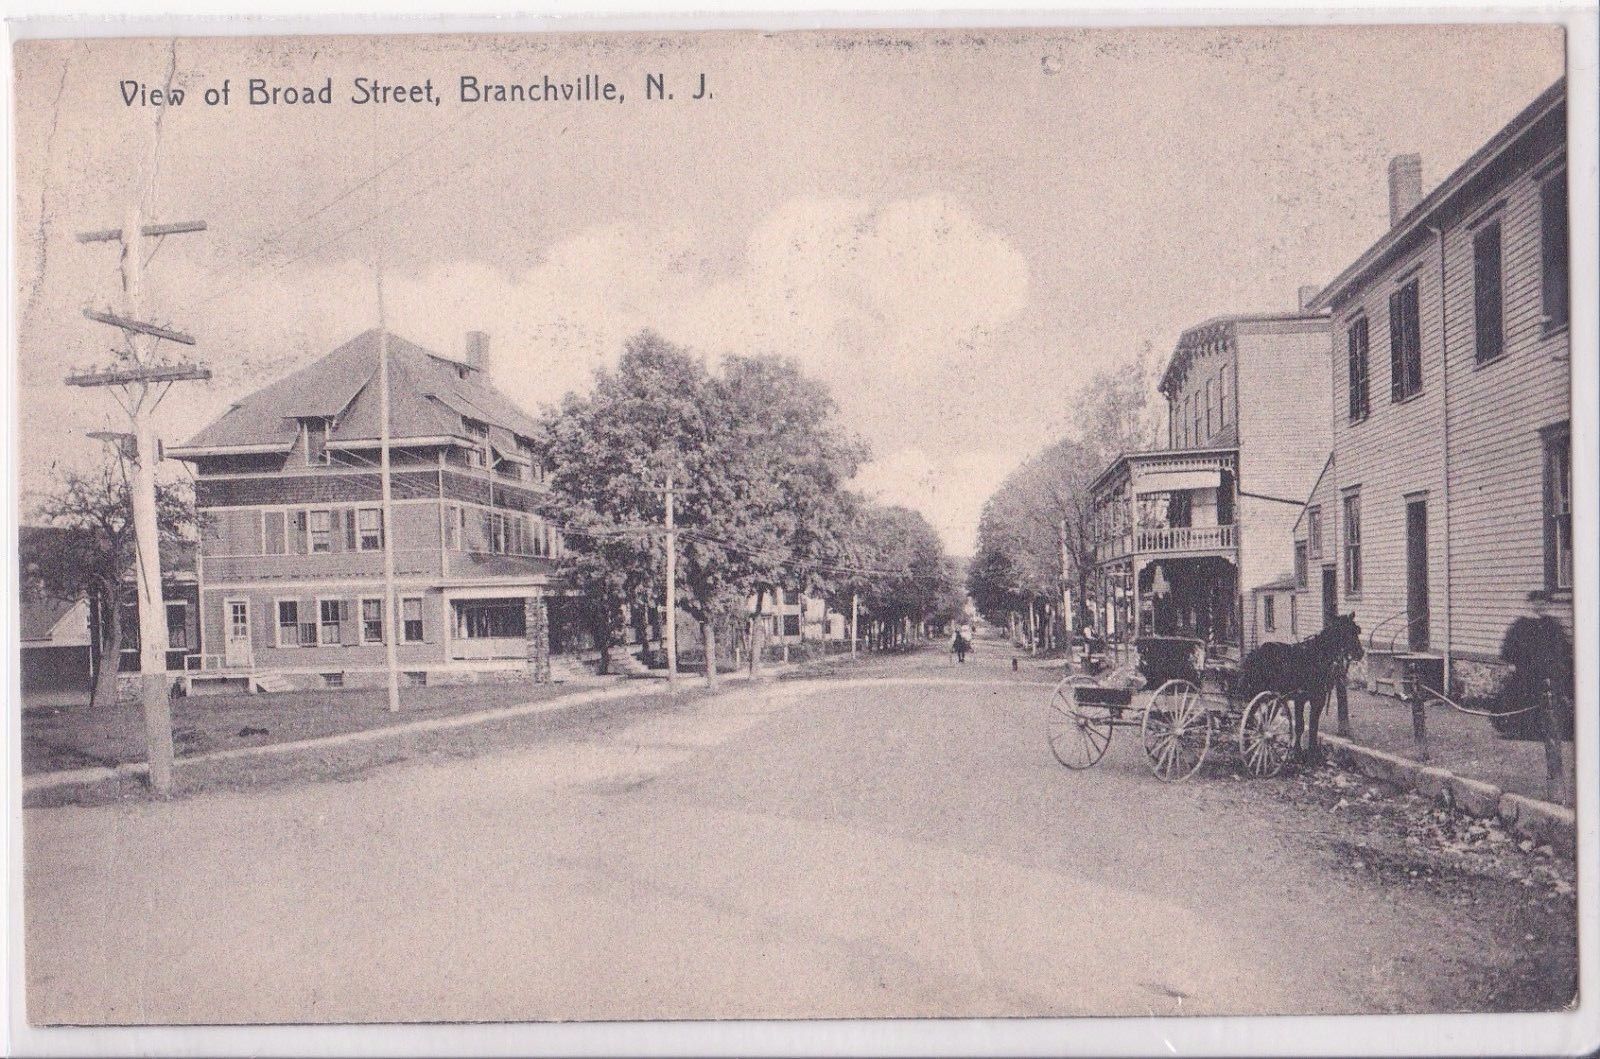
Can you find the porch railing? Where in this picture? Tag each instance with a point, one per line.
(1183, 538)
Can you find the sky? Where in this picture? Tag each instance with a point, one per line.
(953, 229)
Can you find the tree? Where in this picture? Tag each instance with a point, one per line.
(755, 456)
(91, 552)
(1036, 535)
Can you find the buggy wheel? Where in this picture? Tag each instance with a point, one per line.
(1266, 735)
(1078, 733)
(1176, 731)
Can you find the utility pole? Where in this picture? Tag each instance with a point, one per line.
(390, 616)
(142, 382)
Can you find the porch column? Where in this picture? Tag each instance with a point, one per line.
(537, 622)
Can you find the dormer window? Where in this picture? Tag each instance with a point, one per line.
(478, 454)
(314, 432)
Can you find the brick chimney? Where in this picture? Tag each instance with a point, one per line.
(477, 356)
(1307, 295)
(1405, 185)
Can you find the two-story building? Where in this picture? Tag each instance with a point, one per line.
(1183, 534)
(290, 562)
(1446, 509)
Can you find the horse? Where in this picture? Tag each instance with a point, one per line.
(1302, 674)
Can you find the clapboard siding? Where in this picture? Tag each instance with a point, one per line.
(1396, 453)
(1325, 497)
(1496, 412)
(1487, 415)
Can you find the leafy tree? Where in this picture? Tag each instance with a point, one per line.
(90, 552)
(754, 454)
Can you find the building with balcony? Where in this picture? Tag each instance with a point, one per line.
(1185, 533)
(1446, 511)
(290, 562)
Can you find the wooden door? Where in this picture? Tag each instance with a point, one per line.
(1330, 595)
(1417, 573)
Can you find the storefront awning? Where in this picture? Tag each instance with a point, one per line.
(1173, 481)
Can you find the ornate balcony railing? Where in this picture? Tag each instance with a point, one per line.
(1183, 538)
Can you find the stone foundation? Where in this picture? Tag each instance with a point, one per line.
(537, 616)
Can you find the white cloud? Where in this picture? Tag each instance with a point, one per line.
(950, 491)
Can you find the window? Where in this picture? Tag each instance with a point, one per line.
(1360, 394)
(369, 528)
(316, 435)
(411, 619)
(497, 619)
(1487, 303)
(333, 680)
(453, 526)
(297, 533)
(1405, 343)
(1222, 399)
(178, 626)
(1302, 566)
(478, 453)
(1269, 612)
(322, 531)
(1554, 287)
(330, 614)
(1558, 509)
(1194, 413)
(288, 623)
(274, 532)
(1314, 532)
(1208, 409)
(791, 625)
(372, 621)
(1352, 543)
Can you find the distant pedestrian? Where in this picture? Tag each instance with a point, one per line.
(961, 645)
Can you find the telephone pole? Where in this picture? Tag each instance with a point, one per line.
(142, 381)
(670, 633)
(391, 621)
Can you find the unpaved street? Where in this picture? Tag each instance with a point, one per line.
(896, 842)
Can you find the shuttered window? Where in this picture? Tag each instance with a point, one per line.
(330, 614)
(369, 528)
(274, 531)
(288, 623)
(1360, 396)
(1553, 250)
(1405, 343)
(1487, 301)
(1558, 509)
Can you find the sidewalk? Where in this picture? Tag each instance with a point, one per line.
(1465, 745)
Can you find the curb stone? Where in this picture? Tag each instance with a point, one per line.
(1541, 821)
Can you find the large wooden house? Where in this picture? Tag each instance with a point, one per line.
(1184, 534)
(290, 562)
(1445, 512)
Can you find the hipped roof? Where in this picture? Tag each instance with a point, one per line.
(429, 395)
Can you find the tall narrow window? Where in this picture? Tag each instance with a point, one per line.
(288, 623)
(1314, 532)
(1352, 542)
(372, 621)
(411, 619)
(1405, 343)
(1194, 408)
(1222, 398)
(322, 531)
(1554, 284)
(1208, 409)
(1360, 394)
(330, 615)
(1269, 617)
(1487, 302)
(1302, 568)
(369, 528)
(1558, 509)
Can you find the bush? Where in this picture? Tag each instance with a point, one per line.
(1541, 656)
